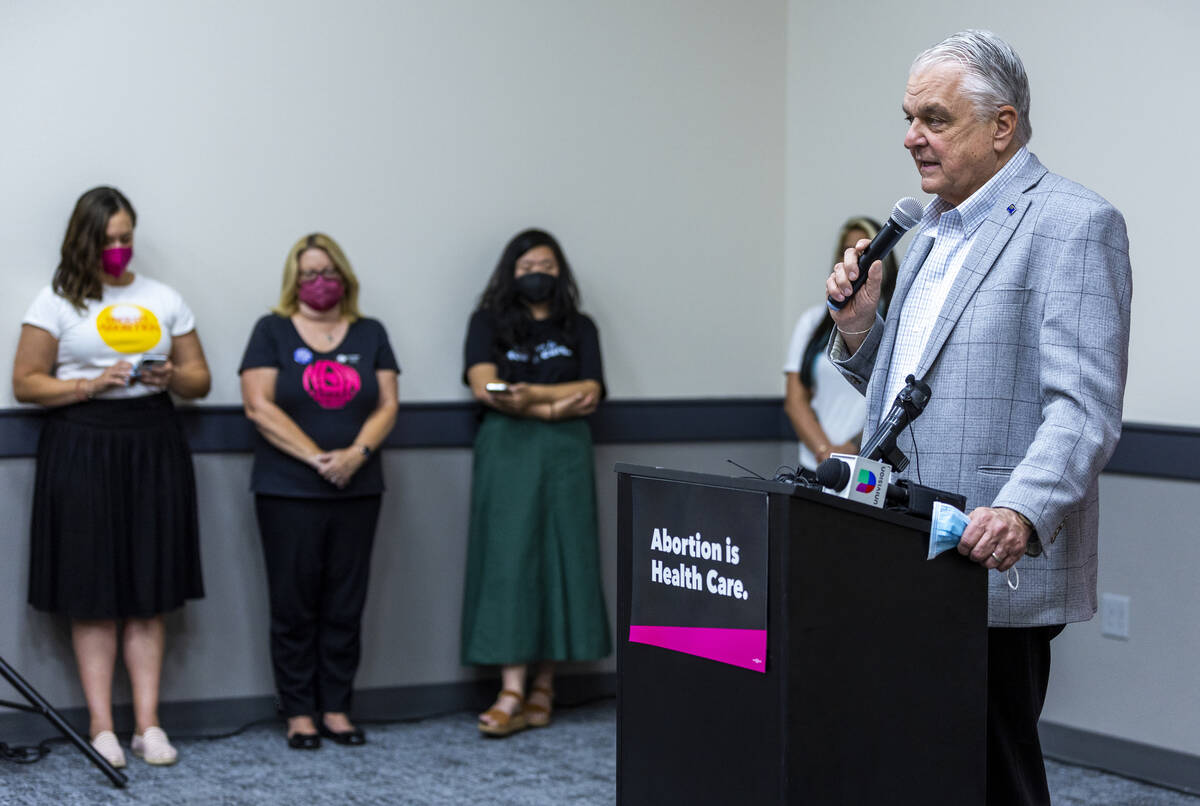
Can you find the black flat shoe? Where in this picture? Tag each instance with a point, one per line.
(348, 737)
(304, 741)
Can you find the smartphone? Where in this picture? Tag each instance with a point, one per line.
(149, 361)
(497, 387)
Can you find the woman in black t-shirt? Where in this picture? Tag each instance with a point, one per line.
(533, 591)
(319, 384)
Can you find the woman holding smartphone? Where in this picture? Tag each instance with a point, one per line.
(114, 528)
(534, 594)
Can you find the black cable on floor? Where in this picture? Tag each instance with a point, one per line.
(24, 754)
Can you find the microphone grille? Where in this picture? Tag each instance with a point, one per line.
(907, 212)
(834, 474)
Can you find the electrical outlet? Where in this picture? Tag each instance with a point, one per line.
(1114, 616)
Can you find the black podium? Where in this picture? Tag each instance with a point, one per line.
(873, 686)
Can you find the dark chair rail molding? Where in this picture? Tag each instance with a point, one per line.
(1161, 451)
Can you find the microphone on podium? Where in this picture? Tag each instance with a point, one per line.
(865, 478)
(855, 478)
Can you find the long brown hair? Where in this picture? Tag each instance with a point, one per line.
(77, 278)
(500, 296)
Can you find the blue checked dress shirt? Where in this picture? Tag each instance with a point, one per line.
(953, 230)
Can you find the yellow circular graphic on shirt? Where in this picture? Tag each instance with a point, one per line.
(128, 328)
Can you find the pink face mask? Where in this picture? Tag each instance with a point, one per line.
(321, 293)
(114, 260)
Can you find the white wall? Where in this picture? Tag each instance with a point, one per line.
(648, 137)
(1113, 89)
(695, 159)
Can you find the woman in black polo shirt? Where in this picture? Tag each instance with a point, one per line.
(319, 384)
(533, 590)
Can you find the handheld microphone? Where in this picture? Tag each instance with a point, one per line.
(905, 215)
(907, 407)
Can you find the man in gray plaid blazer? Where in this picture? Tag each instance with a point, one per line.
(1013, 305)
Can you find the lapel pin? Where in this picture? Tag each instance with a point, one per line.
(1012, 208)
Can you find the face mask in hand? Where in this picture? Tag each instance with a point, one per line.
(945, 530)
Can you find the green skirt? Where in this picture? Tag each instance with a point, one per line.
(533, 590)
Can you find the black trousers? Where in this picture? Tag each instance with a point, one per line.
(1018, 673)
(318, 554)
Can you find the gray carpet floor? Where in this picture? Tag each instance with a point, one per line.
(441, 760)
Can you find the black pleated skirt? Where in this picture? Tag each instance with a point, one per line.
(114, 527)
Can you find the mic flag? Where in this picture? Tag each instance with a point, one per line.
(855, 478)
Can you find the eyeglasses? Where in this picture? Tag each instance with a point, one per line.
(330, 273)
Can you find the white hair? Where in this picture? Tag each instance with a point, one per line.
(993, 75)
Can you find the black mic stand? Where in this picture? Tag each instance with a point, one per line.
(906, 496)
(908, 406)
(38, 705)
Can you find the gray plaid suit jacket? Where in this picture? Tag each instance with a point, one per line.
(1027, 364)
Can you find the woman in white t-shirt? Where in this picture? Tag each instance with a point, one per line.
(827, 413)
(114, 530)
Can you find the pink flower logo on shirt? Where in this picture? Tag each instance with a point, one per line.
(330, 384)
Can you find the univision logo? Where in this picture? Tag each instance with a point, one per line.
(866, 481)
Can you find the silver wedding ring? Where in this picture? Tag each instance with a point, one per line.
(996, 557)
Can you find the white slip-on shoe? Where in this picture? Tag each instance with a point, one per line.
(106, 744)
(153, 747)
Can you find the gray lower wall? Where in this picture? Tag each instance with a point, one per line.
(1127, 706)
(217, 647)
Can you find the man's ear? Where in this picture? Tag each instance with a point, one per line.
(1006, 128)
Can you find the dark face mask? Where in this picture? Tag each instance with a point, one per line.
(536, 286)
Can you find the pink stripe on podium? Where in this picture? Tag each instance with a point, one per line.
(745, 648)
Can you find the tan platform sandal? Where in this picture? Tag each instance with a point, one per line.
(538, 716)
(503, 723)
